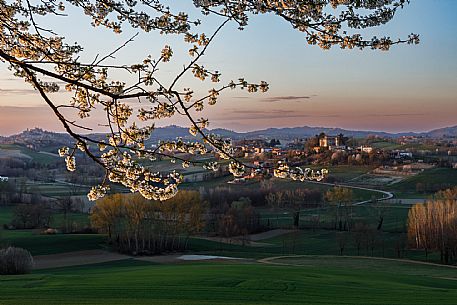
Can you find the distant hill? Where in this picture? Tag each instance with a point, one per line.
(45, 140)
(301, 132)
(306, 131)
(448, 132)
(39, 139)
(170, 133)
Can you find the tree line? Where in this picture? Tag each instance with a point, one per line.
(433, 226)
(136, 225)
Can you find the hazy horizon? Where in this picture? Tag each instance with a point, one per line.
(246, 131)
(409, 88)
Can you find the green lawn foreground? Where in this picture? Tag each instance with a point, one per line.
(318, 280)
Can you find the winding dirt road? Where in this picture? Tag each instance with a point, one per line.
(271, 260)
(386, 195)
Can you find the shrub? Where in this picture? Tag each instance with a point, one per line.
(15, 261)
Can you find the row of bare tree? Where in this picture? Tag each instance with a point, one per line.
(433, 226)
(139, 226)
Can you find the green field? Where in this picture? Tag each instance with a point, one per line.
(443, 177)
(395, 216)
(387, 145)
(56, 189)
(57, 218)
(345, 173)
(39, 157)
(318, 280)
(6, 214)
(320, 277)
(319, 242)
(39, 244)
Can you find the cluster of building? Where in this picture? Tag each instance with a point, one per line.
(37, 138)
(264, 155)
(258, 147)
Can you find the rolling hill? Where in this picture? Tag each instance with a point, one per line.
(44, 140)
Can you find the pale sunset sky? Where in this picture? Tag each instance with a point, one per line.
(409, 88)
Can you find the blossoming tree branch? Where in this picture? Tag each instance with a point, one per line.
(47, 62)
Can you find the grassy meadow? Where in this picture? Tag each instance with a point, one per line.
(41, 244)
(21, 152)
(316, 241)
(435, 176)
(314, 280)
(318, 276)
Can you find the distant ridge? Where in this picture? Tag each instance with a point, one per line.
(443, 132)
(43, 137)
(307, 131)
